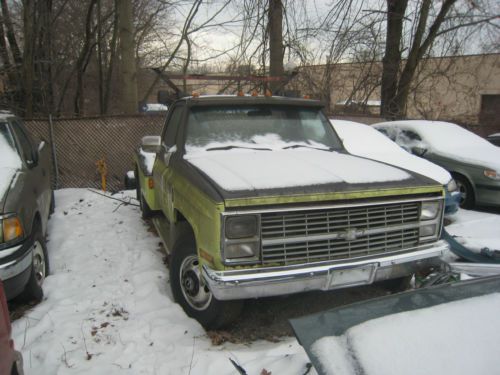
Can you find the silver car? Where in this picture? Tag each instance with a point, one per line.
(473, 162)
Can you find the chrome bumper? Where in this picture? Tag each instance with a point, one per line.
(15, 267)
(274, 281)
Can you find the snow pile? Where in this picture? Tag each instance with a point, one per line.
(458, 338)
(476, 230)
(108, 307)
(447, 139)
(10, 162)
(239, 169)
(363, 140)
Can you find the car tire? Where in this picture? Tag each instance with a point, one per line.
(197, 300)
(147, 212)
(466, 191)
(39, 269)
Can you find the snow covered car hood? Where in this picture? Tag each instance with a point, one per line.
(6, 176)
(297, 170)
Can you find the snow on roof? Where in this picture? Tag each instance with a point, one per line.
(155, 107)
(363, 140)
(369, 103)
(237, 169)
(450, 140)
(458, 338)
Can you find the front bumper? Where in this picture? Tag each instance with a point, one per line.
(275, 281)
(15, 267)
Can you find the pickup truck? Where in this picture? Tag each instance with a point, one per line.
(26, 200)
(255, 196)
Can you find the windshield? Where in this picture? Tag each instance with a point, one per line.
(259, 127)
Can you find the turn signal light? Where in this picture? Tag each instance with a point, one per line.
(151, 183)
(195, 94)
(12, 229)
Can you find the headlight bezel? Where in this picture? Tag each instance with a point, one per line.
(244, 242)
(11, 229)
(431, 223)
(491, 174)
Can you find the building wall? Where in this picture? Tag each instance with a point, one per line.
(444, 88)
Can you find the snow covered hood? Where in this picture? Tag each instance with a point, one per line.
(247, 170)
(363, 140)
(10, 163)
(409, 333)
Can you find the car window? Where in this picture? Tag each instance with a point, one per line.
(172, 126)
(259, 126)
(24, 142)
(387, 133)
(410, 135)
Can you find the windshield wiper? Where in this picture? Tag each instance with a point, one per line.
(307, 146)
(234, 146)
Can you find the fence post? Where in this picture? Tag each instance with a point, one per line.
(54, 154)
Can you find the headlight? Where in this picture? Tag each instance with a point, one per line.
(241, 243)
(429, 210)
(491, 174)
(11, 229)
(451, 186)
(241, 227)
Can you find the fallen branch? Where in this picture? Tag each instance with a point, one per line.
(126, 203)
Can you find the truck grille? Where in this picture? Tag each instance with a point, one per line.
(338, 233)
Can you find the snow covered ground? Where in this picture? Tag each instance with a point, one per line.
(108, 306)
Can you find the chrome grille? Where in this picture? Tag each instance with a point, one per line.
(338, 233)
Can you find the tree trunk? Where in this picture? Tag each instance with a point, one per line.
(81, 64)
(27, 61)
(11, 35)
(129, 100)
(392, 57)
(275, 42)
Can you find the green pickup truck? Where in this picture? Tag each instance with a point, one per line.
(256, 196)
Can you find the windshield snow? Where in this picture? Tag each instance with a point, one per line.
(258, 127)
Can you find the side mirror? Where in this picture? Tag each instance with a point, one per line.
(151, 143)
(419, 151)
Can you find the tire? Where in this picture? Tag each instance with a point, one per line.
(39, 269)
(467, 199)
(196, 299)
(397, 285)
(147, 213)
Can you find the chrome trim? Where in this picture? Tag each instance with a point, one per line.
(312, 207)
(17, 266)
(274, 281)
(340, 235)
(476, 269)
(6, 216)
(9, 251)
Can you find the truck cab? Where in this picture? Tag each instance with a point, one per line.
(256, 196)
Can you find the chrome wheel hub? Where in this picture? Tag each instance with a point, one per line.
(195, 292)
(38, 262)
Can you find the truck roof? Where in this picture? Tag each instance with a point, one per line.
(249, 100)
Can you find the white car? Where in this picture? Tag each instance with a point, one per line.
(363, 140)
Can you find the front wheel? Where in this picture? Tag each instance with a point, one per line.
(39, 270)
(191, 292)
(466, 191)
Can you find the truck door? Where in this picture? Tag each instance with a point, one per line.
(162, 173)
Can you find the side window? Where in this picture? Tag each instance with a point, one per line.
(410, 135)
(172, 126)
(25, 143)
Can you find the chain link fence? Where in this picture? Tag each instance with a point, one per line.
(79, 144)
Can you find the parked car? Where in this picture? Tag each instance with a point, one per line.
(473, 162)
(11, 361)
(256, 197)
(444, 329)
(494, 138)
(363, 140)
(26, 200)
